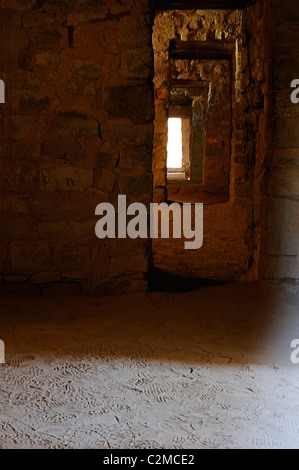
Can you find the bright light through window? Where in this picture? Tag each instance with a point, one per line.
(174, 146)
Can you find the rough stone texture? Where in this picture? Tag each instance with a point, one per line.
(135, 63)
(77, 129)
(264, 146)
(133, 102)
(29, 256)
(76, 125)
(224, 254)
(217, 121)
(122, 131)
(279, 257)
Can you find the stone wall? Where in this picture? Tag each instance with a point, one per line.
(270, 137)
(256, 123)
(279, 258)
(255, 234)
(76, 130)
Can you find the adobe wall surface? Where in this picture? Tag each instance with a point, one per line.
(227, 249)
(76, 130)
(280, 229)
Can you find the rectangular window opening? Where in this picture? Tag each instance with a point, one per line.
(178, 165)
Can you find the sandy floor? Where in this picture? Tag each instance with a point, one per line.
(207, 369)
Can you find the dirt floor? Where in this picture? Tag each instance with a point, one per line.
(203, 369)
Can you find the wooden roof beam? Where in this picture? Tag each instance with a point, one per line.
(162, 5)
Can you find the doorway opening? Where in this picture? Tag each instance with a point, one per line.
(200, 106)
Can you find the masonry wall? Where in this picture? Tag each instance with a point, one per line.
(279, 260)
(76, 130)
(217, 124)
(227, 251)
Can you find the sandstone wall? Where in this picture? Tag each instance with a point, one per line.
(76, 130)
(279, 259)
(217, 122)
(227, 250)
(257, 133)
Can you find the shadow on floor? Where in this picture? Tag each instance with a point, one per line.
(161, 281)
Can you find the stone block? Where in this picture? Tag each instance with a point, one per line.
(34, 103)
(135, 30)
(106, 181)
(46, 58)
(283, 106)
(48, 38)
(106, 160)
(24, 177)
(289, 244)
(286, 158)
(128, 256)
(66, 206)
(86, 69)
(282, 214)
(285, 70)
(137, 63)
(125, 132)
(287, 135)
(280, 267)
(78, 104)
(82, 233)
(86, 16)
(287, 34)
(81, 88)
(18, 4)
(17, 51)
(24, 149)
(36, 19)
(62, 289)
(136, 186)
(46, 277)
(19, 205)
(11, 17)
(117, 8)
(136, 103)
(22, 125)
(35, 79)
(136, 157)
(15, 279)
(23, 289)
(286, 12)
(69, 257)
(15, 227)
(75, 125)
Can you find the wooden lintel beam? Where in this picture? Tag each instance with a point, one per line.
(200, 55)
(179, 83)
